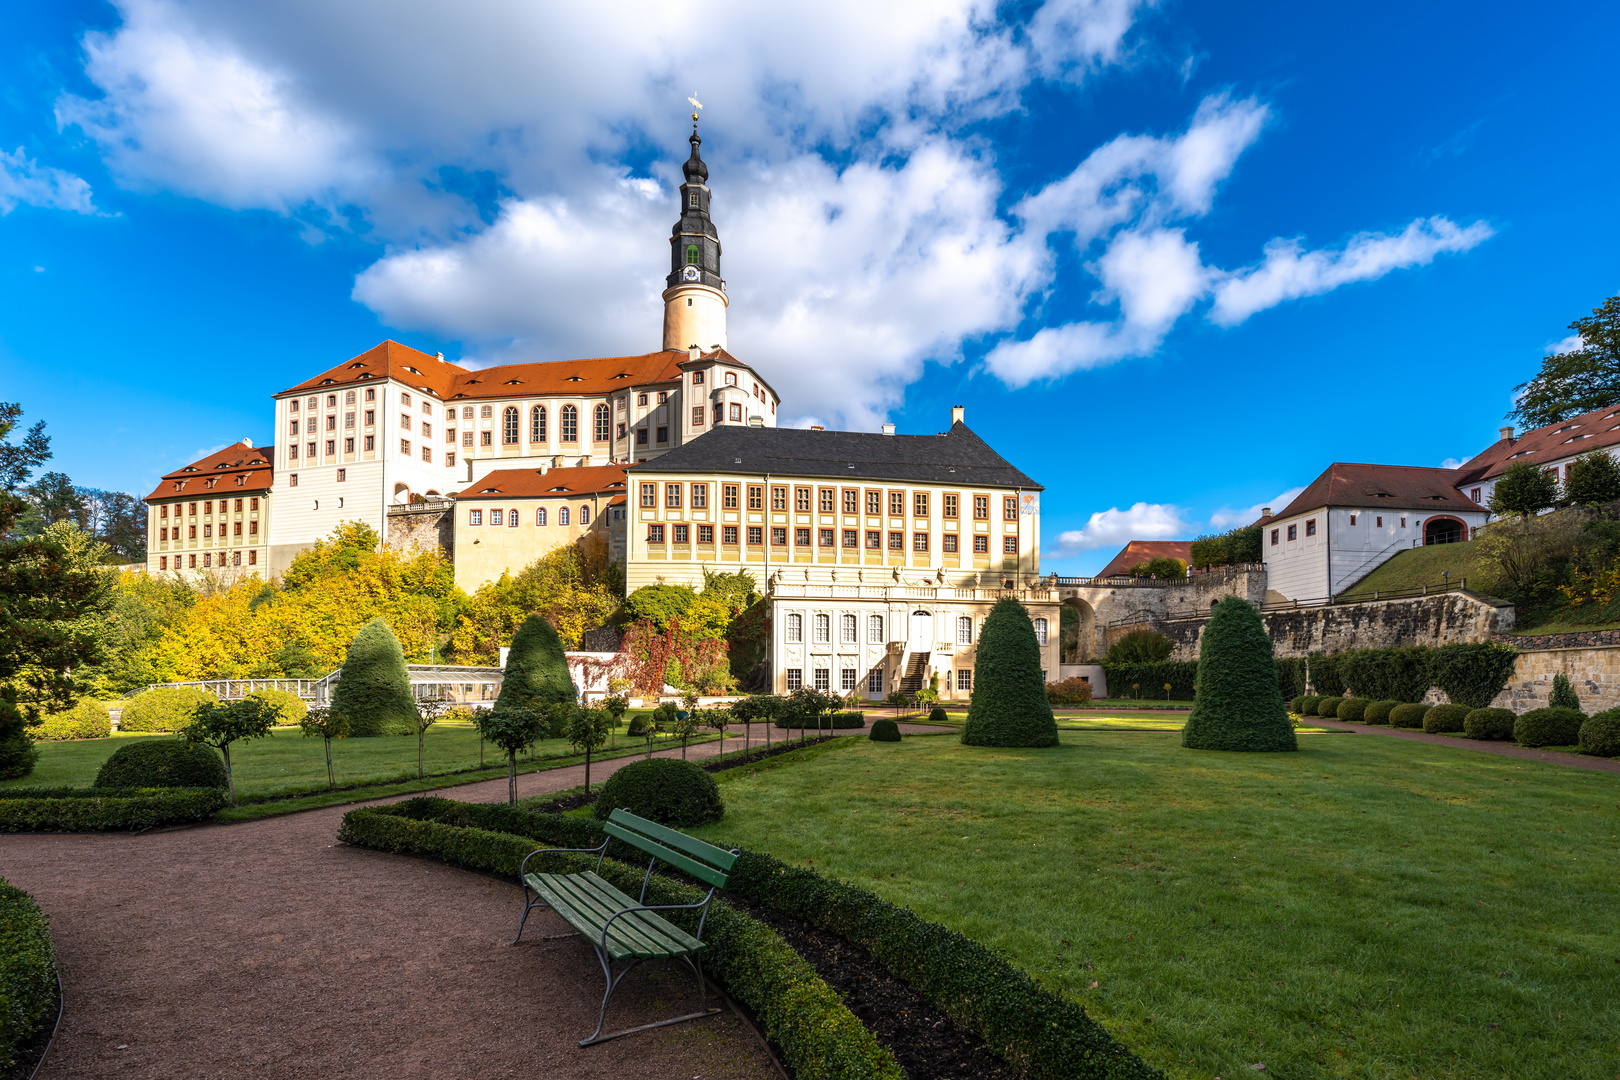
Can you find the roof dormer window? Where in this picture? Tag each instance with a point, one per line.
(412, 370)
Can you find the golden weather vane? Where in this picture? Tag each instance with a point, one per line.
(696, 104)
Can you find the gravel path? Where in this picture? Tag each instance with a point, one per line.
(1555, 757)
(266, 949)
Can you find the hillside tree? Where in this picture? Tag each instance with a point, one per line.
(1580, 380)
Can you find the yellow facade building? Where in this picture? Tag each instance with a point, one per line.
(512, 517)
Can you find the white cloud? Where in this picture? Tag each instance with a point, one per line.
(1114, 527)
(1228, 518)
(1289, 272)
(1452, 463)
(1568, 345)
(23, 180)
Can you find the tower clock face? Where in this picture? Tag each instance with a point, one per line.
(689, 274)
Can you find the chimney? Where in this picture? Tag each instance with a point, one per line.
(888, 429)
(817, 427)
(693, 352)
(248, 443)
(543, 467)
(1265, 511)
(957, 412)
(440, 356)
(1505, 433)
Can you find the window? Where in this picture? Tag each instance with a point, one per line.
(672, 495)
(795, 678)
(655, 534)
(163, 511)
(405, 447)
(1009, 508)
(570, 424)
(348, 446)
(794, 628)
(897, 504)
(683, 534)
(450, 458)
(728, 496)
(1040, 631)
(950, 506)
(736, 413)
(562, 519)
(1009, 545)
(313, 403)
(874, 502)
(919, 504)
(404, 421)
(981, 545)
(823, 625)
(427, 453)
(331, 423)
(692, 200)
(728, 535)
(475, 517)
(874, 539)
(641, 436)
(343, 474)
(697, 416)
(1310, 527)
(779, 537)
(705, 533)
(163, 562)
(1352, 519)
(208, 559)
(584, 515)
(663, 434)
(964, 630)
(697, 378)
(621, 429)
(852, 539)
(964, 679)
(825, 500)
(253, 528)
(486, 411)
(641, 399)
(1377, 521)
(292, 479)
(331, 447)
(404, 398)
(371, 417)
(348, 421)
(692, 252)
(371, 395)
(846, 680)
(801, 537)
(1274, 534)
(663, 396)
(700, 496)
(601, 424)
(897, 541)
(981, 508)
(540, 516)
(309, 449)
(919, 542)
(1403, 523)
(778, 498)
(851, 500)
(253, 504)
(208, 507)
(827, 537)
(801, 500)
(874, 682)
(537, 424)
(495, 516)
(371, 442)
(949, 542)
(512, 518)
(293, 428)
(756, 498)
(731, 378)
(823, 680)
(719, 412)
(1472, 494)
(1293, 532)
(649, 494)
(253, 558)
(756, 535)
(208, 531)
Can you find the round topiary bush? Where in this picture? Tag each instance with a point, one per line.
(162, 763)
(1329, 706)
(1445, 719)
(374, 691)
(666, 790)
(1377, 712)
(885, 730)
(1551, 726)
(936, 715)
(1600, 735)
(1352, 709)
(1408, 716)
(88, 719)
(166, 708)
(1489, 724)
(639, 724)
(289, 707)
(1009, 706)
(1237, 704)
(1305, 704)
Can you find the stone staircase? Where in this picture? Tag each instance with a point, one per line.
(916, 672)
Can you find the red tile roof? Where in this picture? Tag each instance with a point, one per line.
(561, 483)
(1398, 487)
(224, 467)
(1140, 551)
(452, 382)
(1544, 445)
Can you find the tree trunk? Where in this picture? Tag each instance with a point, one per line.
(683, 747)
(421, 737)
(587, 770)
(511, 778)
(748, 729)
(230, 778)
(331, 780)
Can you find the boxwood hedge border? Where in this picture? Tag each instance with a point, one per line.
(28, 985)
(67, 809)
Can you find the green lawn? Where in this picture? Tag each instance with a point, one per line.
(1426, 566)
(1367, 907)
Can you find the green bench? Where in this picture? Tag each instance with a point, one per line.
(626, 931)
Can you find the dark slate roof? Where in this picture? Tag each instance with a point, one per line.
(956, 457)
(1395, 487)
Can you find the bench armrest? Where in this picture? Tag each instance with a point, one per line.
(704, 903)
(599, 850)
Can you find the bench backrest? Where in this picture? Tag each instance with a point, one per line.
(703, 861)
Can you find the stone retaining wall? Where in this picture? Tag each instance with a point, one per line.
(1593, 672)
(423, 527)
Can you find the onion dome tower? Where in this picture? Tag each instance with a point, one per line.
(695, 298)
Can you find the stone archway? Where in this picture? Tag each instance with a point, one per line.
(1444, 529)
(1078, 632)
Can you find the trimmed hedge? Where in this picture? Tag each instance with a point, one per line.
(1489, 724)
(105, 809)
(1327, 674)
(1377, 712)
(374, 691)
(819, 1037)
(1305, 704)
(666, 790)
(1473, 673)
(1238, 705)
(1291, 677)
(1072, 691)
(1600, 735)
(1402, 673)
(1041, 1034)
(832, 721)
(1009, 706)
(161, 763)
(1352, 709)
(289, 707)
(884, 730)
(1329, 706)
(27, 973)
(167, 708)
(1149, 680)
(1551, 726)
(89, 719)
(1409, 715)
(1446, 719)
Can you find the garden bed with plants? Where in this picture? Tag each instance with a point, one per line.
(29, 992)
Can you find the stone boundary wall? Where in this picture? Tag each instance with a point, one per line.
(1442, 619)
(425, 528)
(1593, 673)
(1582, 639)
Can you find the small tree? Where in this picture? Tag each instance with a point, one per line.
(898, 699)
(686, 724)
(1523, 489)
(427, 714)
(1594, 479)
(616, 707)
(587, 730)
(1237, 704)
(219, 725)
(809, 706)
(661, 720)
(1009, 705)
(718, 719)
(1563, 695)
(511, 728)
(321, 721)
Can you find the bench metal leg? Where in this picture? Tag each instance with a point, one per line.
(528, 905)
(613, 981)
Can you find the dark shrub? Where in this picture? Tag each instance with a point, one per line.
(27, 975)
(1473, 673)
(374, 691)
(1329, 706)
(1445, 719)
(1306, 704)
(1141, 647)
(936, 715)
(1489, 724)
(147, 763)
(1408, 715)
(1377, 712)
(1552, 726)
(666, 790)
(1009, 706)
(1600, 735)
(1327, 675)
(639, 724)
(1563, 694)
(1075, 691)
(166, 708)
(1352, 709)
(1401, 673)
(885, 730)
(536, 674)
(17, 750)
(1238, 705)
(1146, 681)
(828, 721)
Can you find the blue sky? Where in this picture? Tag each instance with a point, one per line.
(1174, 259)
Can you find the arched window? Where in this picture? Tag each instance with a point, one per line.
(512, 518)
(584, 515)
(691, 254)
(964, 631)
(537, 424)
(823, 629)
(794, 629)
(509, 424)
(570, 424)
(540, 516)
(1040, 631)
(562, 515)
(601, 425)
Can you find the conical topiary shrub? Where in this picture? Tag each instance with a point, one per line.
(1009, 706)
(1237, 704)
(536, 674)
(374, 692)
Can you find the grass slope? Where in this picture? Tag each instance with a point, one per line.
(1426, 566)
(1361, 908)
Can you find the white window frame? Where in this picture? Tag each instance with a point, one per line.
(793, 628)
